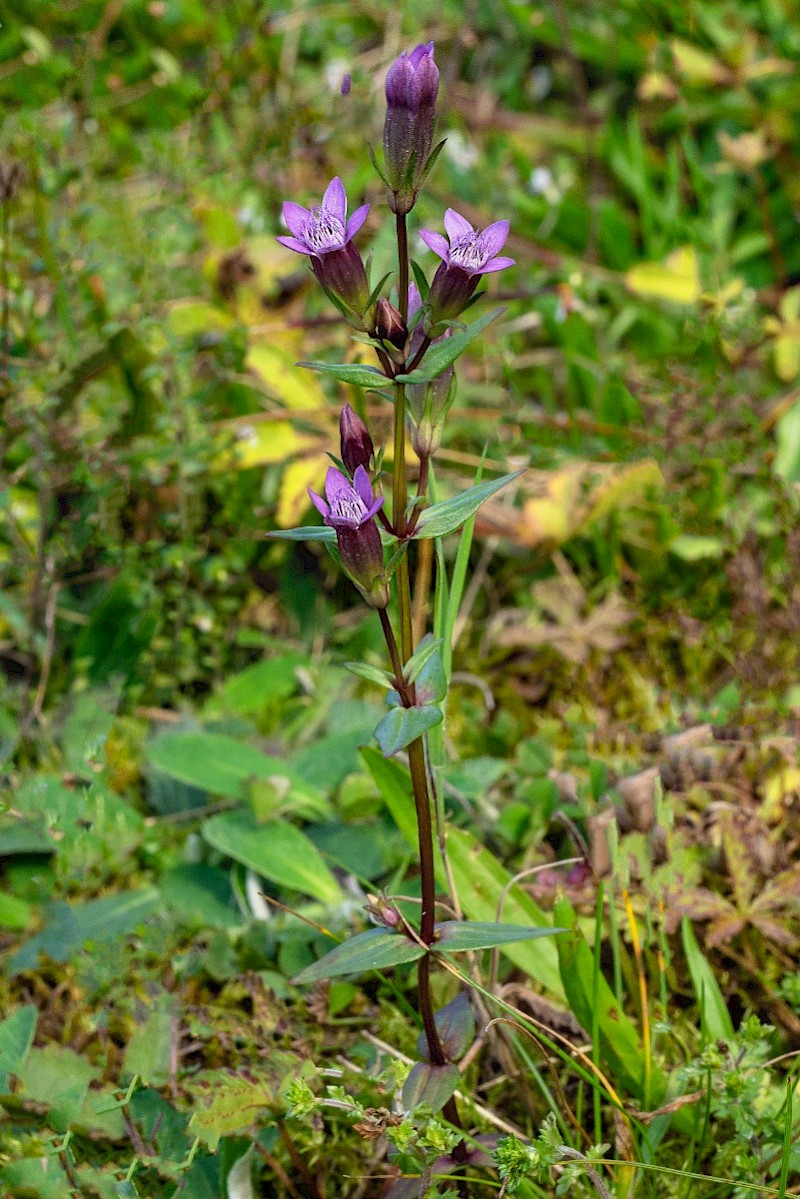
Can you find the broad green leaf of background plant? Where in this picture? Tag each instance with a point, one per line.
(70, 926)
(715, 1018)
(620, 1044)
(375, 949)
(787, 456)
(16, 1038)
(276, 850)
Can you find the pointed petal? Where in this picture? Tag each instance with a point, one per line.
(456, 225)
(319, 504)
(494, 237)
(363, 486)
(373, 509)
(496, 264)
(414, 300)
(295, 217)
(435, 242)
(357, 220)
(335, 199)
(336, 485)
(419, 52)
(295, 245)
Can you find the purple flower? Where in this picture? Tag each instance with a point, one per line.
(325, 234)
(412, 85)
(466, 254)
(349, 508)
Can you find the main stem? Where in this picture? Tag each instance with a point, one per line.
(416, 750)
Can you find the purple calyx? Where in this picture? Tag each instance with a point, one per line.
(474, 251)
(349, 505)
(324, 228)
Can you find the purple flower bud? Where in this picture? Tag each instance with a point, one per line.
(412, 86)
(346, 84)
(466, 254)
(325, 234)
(428, 405)
(356, 443)
(389, 325)
(349, 509)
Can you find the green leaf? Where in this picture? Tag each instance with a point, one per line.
(16, 1038)
(430, 1084)
(425, 650)
(457, 936)
(276, 850)
(444, 353)
(787, 455)
(226, 1103)
(371, 674)
(375, 949)
(394, 784)
(71, 926)
(715, 1018)
(401, 726)
(223, 766)
(481, 882)
(349, 372)
(24, 837)
(201, 896)
(304, 533)
(149, 1051)
(446, 516)
(431, 682)
(15, 913)
(620, 1044)
(455, 1024)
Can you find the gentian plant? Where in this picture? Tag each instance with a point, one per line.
(417, 337)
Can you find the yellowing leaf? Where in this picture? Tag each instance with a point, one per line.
(190, 317)
(786, 349)
(777, 786)
(261, 443)
(281, 377)
(624, 485)
(677, 279)
(293, 496)
(551, 516)
(697, 65)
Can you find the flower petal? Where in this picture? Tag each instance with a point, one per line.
(363, 486)
(357, 220)
(373, 509)
(414, 300)
(295, 245)
(494, 237)
(295, 217)
(319, 504)
(435, 242)
(456, 225)
(335, 199)
(496, 264)
(337, 486)
(419, 52)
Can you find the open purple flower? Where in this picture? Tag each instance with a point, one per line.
(349, 509)
(412, 86)
(466, 254)
(325, 234)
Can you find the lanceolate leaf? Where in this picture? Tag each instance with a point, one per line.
(455, 1024)
(375, 949)
(401, 726)
(430, 1084)
(305, 533)
(444, 353)
(457, 936)
(349, 372)
(445, 517)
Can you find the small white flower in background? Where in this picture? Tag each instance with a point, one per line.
(542, 183)
(335, 72)
(541, 81)
(462, 154)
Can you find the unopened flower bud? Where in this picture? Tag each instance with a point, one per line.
(390, 326)
(412, 86)
(356, 443)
